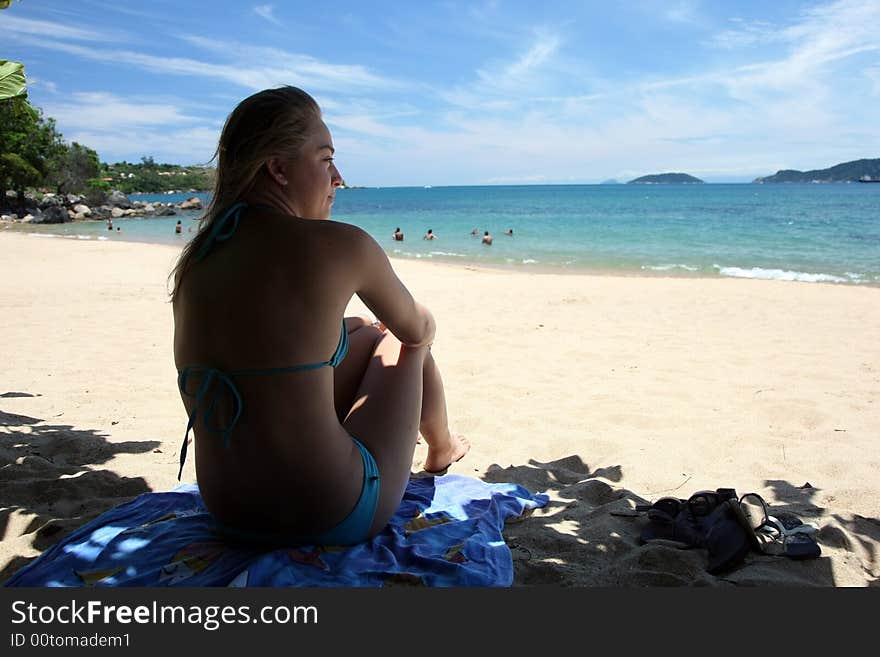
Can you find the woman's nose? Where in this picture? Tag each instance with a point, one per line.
(336, 177)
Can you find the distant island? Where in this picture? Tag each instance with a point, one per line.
(610, 181)
(855, 171)
(665, 179)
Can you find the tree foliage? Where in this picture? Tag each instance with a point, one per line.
(153, 177)
(71, 168)
(29, 144)
(34, 154)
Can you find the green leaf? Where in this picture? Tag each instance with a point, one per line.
(12, 84)
(5, 3)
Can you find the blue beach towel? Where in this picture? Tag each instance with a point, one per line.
(446, 532)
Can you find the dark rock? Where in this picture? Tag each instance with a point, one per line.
(118, 199)
(51, 200)
(193, 203)
(55, 214)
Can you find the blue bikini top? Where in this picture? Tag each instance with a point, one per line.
(205, 396)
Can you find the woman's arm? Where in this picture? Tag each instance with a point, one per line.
(388, 298)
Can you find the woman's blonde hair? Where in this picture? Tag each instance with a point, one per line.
(270, 123)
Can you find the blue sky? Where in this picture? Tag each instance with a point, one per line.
(490, 92)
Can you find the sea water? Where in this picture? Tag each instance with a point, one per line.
(804, 232)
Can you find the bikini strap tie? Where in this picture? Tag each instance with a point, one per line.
(202, 396)
(220, 232)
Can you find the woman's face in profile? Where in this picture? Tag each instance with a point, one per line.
(315, 178)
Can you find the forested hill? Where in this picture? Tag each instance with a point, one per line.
(845, 172)
(150, 176)
(665, 178)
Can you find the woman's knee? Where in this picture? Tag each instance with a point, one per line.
(388, 348)
(354, 323)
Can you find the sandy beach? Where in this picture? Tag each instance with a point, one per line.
(602, 391)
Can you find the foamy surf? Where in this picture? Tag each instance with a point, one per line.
(781, 275)
(669, 267)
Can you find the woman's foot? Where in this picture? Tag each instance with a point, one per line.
(441, 457)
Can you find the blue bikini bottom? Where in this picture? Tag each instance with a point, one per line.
(355, 528)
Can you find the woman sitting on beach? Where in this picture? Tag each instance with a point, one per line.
(297, 442)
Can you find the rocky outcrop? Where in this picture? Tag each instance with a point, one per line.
(56, 214)
(118, 199)
(191, 204)
(58, 208)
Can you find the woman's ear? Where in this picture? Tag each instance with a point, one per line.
(277, 170)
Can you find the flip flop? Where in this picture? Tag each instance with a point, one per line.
(438, 473)
(442, 471)
(789, 537)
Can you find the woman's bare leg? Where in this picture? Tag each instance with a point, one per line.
(444, 447)
(385, 418)
(362, 339)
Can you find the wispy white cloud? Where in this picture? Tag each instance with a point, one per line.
(267, 12)
(745, 34)
(523, 69)
(193, 145)
(681, 11)
(481, 11)
(48, 85)
(873, 76)
(13, 25)
(254, 67)
(129, 11)
(778, 113)
(116, 126)
(309, 70)
(105, 112)
(820, 38)
(542, 50)
(774, 95)
(820, 31)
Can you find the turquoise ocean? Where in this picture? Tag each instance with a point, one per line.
(804, 232)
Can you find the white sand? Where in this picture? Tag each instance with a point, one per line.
(600, 390)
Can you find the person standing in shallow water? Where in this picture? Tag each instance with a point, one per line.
(292, 447)
(429, 235)
(487, 238)
(397, 235)
(179, 227)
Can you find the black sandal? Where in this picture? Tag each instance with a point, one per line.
(707, 519)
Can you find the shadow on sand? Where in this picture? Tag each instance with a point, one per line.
(53, 482)
(588, 535)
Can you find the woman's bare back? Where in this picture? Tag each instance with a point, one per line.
(271, 296)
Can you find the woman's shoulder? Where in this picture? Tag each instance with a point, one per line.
(281, 229)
